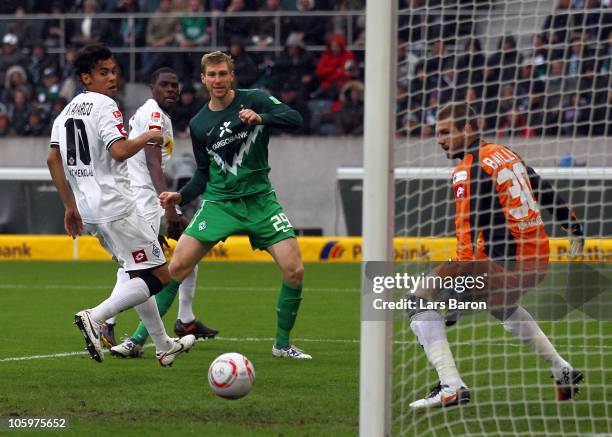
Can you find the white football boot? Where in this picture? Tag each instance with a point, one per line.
(443, 396)
(127, 349)
(91, 331)
(290, 352)
(179, 345)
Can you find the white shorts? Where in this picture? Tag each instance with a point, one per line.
(131, 240)
(147, 202)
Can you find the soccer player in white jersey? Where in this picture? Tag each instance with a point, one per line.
(146, 169)
(88, 149)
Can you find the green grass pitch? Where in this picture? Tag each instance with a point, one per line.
(320, 397)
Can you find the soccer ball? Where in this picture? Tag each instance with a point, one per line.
(231, 376)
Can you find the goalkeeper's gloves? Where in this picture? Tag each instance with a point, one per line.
(576, 240)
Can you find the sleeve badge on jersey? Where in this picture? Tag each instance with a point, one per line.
(155, 116)
(139, 256)
(118, 115)
(459, 191)
(460, 176)
(121, 129)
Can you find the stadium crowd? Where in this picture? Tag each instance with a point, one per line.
(559, 86)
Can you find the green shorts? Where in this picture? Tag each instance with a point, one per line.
(260, 217)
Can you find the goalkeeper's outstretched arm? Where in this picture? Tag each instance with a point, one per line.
(557, 206)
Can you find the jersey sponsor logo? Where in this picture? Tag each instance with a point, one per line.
(230, 158)
(459, 192)
(460, 176)
(224, 129)
(155, 116)
(121, 129)
(118, 115)
(139, 256)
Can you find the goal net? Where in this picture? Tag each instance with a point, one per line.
(537, 73)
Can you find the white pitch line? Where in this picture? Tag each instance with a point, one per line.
(206, 288)
(317, 340)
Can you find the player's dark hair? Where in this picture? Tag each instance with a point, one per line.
(88, 57)
(155, 75)
(461, 113)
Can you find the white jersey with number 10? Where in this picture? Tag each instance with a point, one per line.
(84, 132)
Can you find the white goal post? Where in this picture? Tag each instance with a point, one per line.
(379, 132)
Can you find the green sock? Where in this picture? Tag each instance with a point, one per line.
(286, 312)
(164, 301)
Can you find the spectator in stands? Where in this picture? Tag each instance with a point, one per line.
(350, 116)
(471, 64)
(449, 91)
(595, 23)
(502, 65)
(577, 57)
(604, 58)
(53, 32)
(419, 87)
(436, 60)
(245, 67)
(69, 82)
(188, 107)
(557, 27)
(575, 117)
(193, 32)
(428, 115)
(22, 29)
(556, 98)
(160, 33)
(49, 88)
(11, 55)
(513, 124)
(19, 109)
(130, 31)
(412, 25)
(297, 66)
(236, 27)
(290, 95)
(312, 28)
(330, 69)
(39, 61)
(264, 28)
(92, 29)
(472, 96)
(58, 106)
(36, 125)
(602, 116)
(15, 78)
(538, 56)
(5, 124)
(527, 83)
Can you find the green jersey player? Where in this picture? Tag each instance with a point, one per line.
(230, 142)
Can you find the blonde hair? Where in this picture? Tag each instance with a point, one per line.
(214, 58)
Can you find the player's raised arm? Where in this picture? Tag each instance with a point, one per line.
(271, 112)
